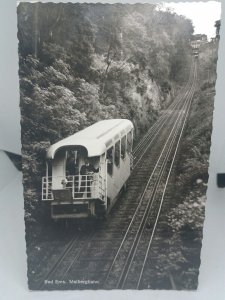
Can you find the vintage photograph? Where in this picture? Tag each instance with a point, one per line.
(116, 107)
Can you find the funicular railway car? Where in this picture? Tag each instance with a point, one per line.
(196, 53)
(86, 171)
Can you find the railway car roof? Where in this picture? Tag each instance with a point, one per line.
(95, 138)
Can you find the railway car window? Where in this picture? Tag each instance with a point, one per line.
(110, 161)
(129, 142)
(123, 147)
(117, 153)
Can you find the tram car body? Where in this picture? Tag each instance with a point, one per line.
(86, 171)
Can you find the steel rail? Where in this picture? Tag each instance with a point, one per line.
(66, 250)
(136, 213)
(186, 114)
(132, 252)
(167, 180)
(136, 241)
(141, 199)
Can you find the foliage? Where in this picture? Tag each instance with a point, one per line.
(80, 63)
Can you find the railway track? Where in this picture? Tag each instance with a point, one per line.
(119, 277)
(116, 255)
(152, 133)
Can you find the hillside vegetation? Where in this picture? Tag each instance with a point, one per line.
(80, 63)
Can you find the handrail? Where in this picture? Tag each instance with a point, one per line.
(82, 186)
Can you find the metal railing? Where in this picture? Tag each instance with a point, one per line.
(91, 186)
(47, 188)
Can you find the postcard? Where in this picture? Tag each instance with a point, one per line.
(116, 118)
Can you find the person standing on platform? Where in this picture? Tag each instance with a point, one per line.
(87, 170)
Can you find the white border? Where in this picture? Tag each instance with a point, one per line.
(12, 250)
